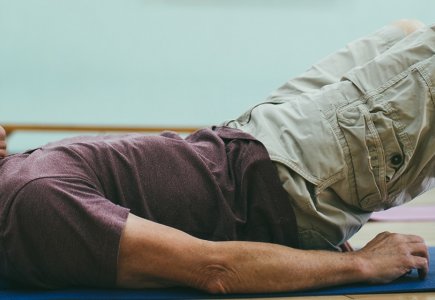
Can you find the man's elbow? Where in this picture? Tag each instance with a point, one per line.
(215, 279)
(217, 275)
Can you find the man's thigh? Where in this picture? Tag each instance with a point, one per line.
(332, 68)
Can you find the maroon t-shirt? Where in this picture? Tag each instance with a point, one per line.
(63, 206)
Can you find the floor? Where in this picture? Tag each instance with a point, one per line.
(424, 229)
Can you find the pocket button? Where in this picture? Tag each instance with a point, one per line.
(396, 160)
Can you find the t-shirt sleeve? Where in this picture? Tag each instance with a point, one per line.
(63, 232)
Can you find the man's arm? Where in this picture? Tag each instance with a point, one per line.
(154, 255)
(2, 142)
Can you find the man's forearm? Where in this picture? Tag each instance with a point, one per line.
(259, 267)
(153, 255)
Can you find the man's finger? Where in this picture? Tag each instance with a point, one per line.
(411, 238)
(419, 249)
(422, 265)
(2, 148)
(421, 254)
(421, 258)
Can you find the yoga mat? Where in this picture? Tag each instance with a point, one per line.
(406, 213)
(409, 283)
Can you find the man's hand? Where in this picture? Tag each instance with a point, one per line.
(390, 255)
(2, 142)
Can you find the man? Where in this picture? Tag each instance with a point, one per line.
(213, 211)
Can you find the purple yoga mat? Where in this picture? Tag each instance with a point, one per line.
(406, 213)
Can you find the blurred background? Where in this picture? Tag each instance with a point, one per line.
(166, 62)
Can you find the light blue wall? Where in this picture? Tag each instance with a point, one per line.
(167, 62)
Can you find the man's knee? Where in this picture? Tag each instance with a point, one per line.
(408, 26)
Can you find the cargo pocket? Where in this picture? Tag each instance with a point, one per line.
(375, 153)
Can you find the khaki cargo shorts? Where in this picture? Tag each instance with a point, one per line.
(354, 134)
